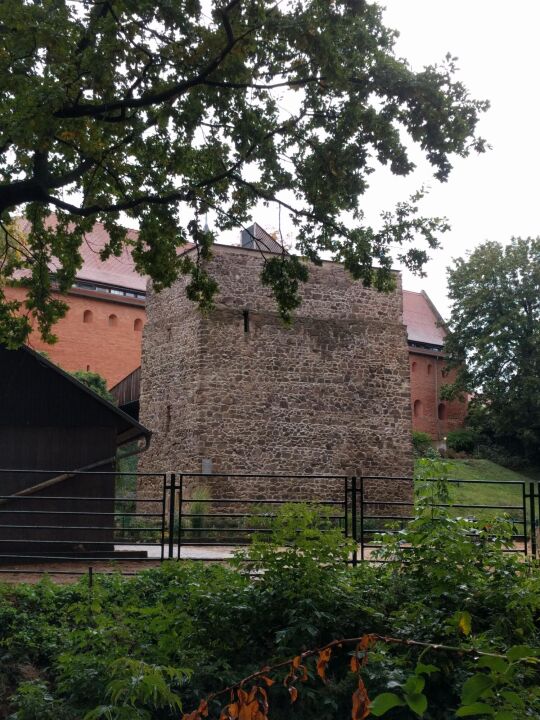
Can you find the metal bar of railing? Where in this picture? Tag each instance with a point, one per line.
(259, 501)
(354, 500)
(362, 518)
(163, 516)
(283, 476)
(346, 491)
(172, 498)
(76, 472)
(80, 527)
(77, 512)
(81, 541)
(180, 515)
(532, 516)
(525, 529)
(75, 497)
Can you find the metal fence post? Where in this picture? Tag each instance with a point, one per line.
(525, 527)
(163, 516)
(180, 503)
(171, 514)
(346, 528)
(353, 521)
(362, 518)
(532, 518)
(538, 498)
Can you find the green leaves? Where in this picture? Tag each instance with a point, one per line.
(474, 687)
(166, 111)
(385, 702)
(494, 342)
(521, 652)
(492, 694)
(412, 695)
(283, 274)
(474, 709)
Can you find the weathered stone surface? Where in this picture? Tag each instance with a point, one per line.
(329, 395)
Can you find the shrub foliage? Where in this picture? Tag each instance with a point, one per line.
(446, 628)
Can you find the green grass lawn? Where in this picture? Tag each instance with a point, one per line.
(496, 492)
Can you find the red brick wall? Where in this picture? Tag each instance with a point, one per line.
(112, 350)
(429, 413)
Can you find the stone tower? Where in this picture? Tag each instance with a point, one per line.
(237, 391)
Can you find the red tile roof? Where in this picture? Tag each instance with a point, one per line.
(118, 271)
(421, 318)
(419, 314)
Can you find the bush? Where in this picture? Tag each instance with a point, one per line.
(463, 440)
(421, 443)
(500, 455)
(137, 649)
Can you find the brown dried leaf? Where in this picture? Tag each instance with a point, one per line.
(268, 680)
(248, 712)
(264, 701)
(288, 678)
(322, 662)
(203, 708)
(363, 646)
(293, 692)
(297, 661)
(355, 664)
(360, 702)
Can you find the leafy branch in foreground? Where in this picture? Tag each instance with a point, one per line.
(248, 698)
(164, 111)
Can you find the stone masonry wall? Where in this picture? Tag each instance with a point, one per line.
(329, 395)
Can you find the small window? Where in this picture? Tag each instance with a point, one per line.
(413, 367)
(113, 320)
(441, 411)
(429, 368)
(88, 316)
(417, 408)
(138, 325)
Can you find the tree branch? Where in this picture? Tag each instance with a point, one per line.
(365, 641)
(171, 93)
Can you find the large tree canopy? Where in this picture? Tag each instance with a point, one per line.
(167, 109)
(494, 339)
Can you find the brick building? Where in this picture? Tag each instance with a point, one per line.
(238, 391)
(102, 330)
(425, 333)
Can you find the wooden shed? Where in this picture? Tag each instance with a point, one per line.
(58, 448)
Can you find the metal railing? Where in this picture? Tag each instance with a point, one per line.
(65, 522)
(241, 503)
(374, 516)
(77, 518)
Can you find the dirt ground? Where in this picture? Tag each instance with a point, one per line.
(70, 571)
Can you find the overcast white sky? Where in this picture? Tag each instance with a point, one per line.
(491, 196)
